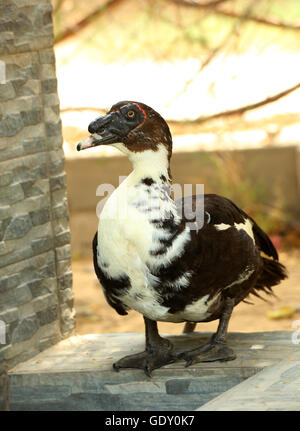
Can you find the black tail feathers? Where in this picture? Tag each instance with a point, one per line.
(264, 243)
(272, 273)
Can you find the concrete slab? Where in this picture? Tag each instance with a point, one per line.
(275, 388)
(76, 374)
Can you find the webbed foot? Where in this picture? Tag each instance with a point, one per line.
(212, 351)
(152, 358)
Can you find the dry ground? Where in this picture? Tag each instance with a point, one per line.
(95, 316)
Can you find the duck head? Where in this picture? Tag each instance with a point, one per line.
(132, 127)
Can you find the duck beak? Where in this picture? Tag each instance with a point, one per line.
(95, 139)
(103, 132)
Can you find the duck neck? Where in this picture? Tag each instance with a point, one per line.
(151, 164)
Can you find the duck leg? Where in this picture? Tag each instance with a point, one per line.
(216, 349)
(189, 327)
(158, 352)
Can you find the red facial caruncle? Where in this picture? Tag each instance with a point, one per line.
(142, 110)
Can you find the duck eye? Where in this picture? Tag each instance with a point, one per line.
(130, 114)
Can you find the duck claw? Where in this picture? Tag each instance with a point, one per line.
(147, 360)
(188, 363)
(148, 371)
(116, 367)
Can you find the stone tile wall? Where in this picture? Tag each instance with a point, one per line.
(36, 300)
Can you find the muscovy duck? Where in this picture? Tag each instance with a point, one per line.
(149, 259)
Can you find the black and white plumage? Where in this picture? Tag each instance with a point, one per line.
(148, 259)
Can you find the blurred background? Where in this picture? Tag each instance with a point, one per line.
(225, 74)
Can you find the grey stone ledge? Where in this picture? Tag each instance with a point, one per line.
(274, 388)
(77, 374)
